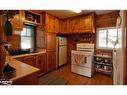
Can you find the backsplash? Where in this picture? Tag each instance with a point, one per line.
(73, 39)
(82, 38)
(104, 52)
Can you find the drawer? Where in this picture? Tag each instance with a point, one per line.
(82, 70)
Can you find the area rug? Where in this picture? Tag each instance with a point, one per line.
(50, 79)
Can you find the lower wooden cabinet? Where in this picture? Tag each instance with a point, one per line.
(51, 60)
(19, 59)
(41, 63)
(29, 60)
(38, 61)
(46, 62)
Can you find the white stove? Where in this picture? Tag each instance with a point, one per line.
(82, 59)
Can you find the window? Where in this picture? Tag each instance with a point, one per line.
(107, 37)
(27, 37)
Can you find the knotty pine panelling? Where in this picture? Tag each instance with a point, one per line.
(106, 20)
(14, 40)
(2, 34)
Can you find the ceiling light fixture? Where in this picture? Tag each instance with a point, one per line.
(77, 10)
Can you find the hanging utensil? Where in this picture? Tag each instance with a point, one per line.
(8, 27)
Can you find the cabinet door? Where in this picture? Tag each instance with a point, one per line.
(41, 63)
(17, 21)
(62, 26)
(86, 24)
(19, 59)
(74, 25)
(50, 23)
(40, 37)
(29, 60)
(51, 41)
(57, 25)
(51, 61)
(68, 25)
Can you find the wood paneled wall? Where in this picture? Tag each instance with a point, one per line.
(106, 20)
(2, 34)
(78, 38)
(14, 40)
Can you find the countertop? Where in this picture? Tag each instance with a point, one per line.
(23, 55)
(22, 69)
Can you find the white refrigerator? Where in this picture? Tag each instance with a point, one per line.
(61, 51)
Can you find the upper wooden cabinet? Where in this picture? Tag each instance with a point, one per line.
(23, 16)
(51, 41)
(87, 24)
(74, 25)
(40, 37)
(80, 24)
(17, 21)
(32, 17)
(62, 26)
(57, 25)
(50, 22)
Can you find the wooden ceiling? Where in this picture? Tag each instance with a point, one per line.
(69, 13)
(63, 14)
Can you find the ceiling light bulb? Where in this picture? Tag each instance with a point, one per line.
(77, 10)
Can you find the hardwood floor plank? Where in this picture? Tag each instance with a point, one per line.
(76, 79)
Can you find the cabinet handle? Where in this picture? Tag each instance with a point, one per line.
(85, 60)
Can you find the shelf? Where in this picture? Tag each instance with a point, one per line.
(103, 71)
(30, 22)
(101, 63)
(103, 56)
(32, 18)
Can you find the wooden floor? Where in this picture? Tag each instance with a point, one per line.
(75, 79)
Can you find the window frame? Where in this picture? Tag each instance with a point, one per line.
(33, 37)
(97, 38)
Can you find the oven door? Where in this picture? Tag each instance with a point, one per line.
(81, 58)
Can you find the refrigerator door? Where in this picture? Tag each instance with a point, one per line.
(57, 51)
(62, 41)
(61, 51)
(62, 55)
